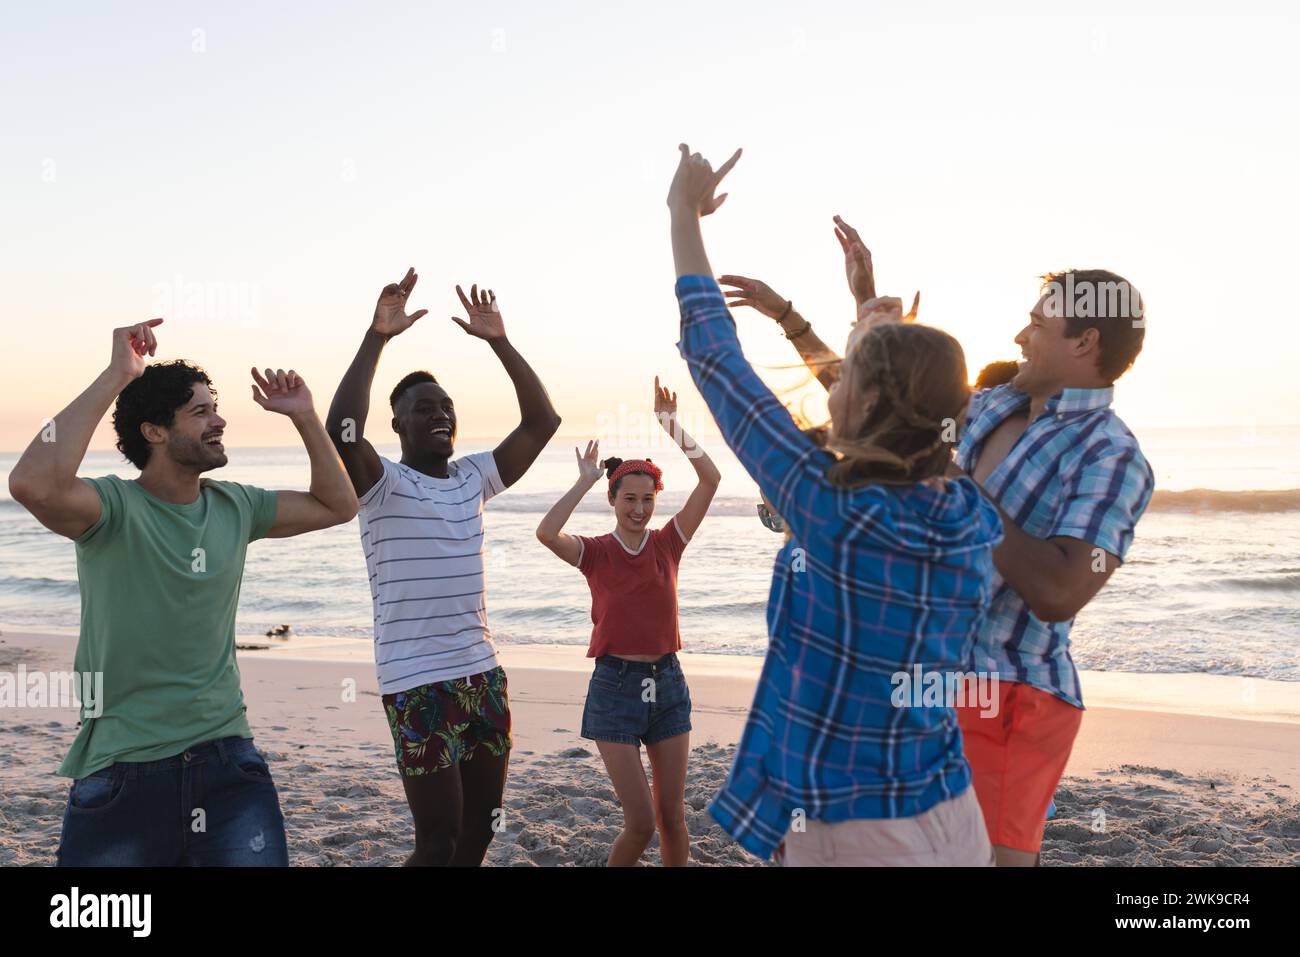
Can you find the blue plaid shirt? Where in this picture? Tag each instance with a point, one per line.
(1076, 471)
(874, 581)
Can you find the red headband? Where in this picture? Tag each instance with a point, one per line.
(644, 466)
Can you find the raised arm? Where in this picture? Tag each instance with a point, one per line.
(330, 499)
(861, 275)
(786, 463)
(44, 479)
(538, 420)
(550, 532)
(346, 421)
(822, 361)
(706, 473)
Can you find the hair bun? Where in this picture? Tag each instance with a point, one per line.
(611, 464)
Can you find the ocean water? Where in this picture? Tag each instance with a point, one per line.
(1212, 582)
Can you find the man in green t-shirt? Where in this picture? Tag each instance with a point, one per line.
(164, 768)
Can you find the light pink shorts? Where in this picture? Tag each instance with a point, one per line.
(951, 834)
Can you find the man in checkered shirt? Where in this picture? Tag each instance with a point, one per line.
(1071, 482)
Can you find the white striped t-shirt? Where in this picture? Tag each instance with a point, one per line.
(423, 541)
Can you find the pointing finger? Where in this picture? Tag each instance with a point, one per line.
(725, 168)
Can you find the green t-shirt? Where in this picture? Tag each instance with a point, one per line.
(159, 589)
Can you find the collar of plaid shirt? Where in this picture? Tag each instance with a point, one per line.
(1001, 401)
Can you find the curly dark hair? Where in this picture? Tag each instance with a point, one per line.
(408, 380)
(154, 397)
(996, 373)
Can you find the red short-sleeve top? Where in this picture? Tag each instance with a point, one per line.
(633, 592)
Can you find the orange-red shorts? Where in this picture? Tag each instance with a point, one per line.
(1017, 757)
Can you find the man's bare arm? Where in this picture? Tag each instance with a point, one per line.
(346, 420)
(330, 499)
(538, 420)
(1057, 576)
(44, 480)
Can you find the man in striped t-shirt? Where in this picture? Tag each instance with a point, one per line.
(423, 540)
(422, 534)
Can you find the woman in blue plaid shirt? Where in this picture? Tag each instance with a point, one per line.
(885, 579)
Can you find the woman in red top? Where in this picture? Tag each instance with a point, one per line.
(637, 693)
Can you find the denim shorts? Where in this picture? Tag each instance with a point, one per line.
(636, 702)
(212, 806)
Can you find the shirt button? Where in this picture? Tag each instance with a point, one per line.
(186, 756)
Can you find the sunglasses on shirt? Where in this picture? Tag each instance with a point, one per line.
(770, 519)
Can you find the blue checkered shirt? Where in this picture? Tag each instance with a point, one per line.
(874, 581)
(1077, 471)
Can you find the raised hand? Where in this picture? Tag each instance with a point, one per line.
(753, 293)
(665, 405)
(695, 183)
(886, 309)
(390, 311)
(282, 392)
(130, 345)
(589, 463)
(857, 262)
(484, 316)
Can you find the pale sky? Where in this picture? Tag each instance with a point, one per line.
(255, 175)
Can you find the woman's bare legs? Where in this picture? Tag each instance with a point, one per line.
(668, 759)
(623, 762)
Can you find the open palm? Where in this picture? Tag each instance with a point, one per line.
(857, 262)
(589, 462)
(391, 317)
(665, 405)
(753, 293)
(484, 316)
(282, 392)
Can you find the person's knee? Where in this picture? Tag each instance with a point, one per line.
(639, 826)
(435, 843)
(477, 831)
(670, 816)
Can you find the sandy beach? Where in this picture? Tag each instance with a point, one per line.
(1168, 769)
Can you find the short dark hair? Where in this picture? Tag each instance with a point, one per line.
(1115, 310)
(156, 396)
(409, 380)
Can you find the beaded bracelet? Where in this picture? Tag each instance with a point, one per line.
(795, 335)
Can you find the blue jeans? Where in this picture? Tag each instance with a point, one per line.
(635, 702)
(213, 806)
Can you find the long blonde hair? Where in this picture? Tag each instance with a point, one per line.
(919, 377)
